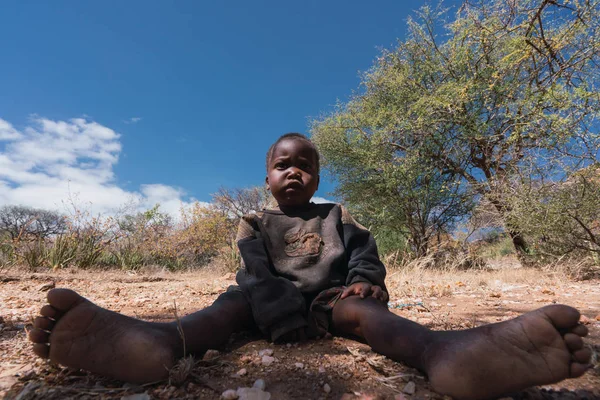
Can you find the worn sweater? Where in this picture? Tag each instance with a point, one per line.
(291, 256)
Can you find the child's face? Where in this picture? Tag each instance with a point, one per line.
(292, 175)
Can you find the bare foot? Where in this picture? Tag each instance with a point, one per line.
(541, 347)
(76, 333)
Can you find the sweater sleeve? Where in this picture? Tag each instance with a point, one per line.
(364, 264)
(277, 304)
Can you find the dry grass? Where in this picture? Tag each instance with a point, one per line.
(416, 279)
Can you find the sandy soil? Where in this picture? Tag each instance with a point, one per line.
(326, 369)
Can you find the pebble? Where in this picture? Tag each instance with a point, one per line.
(326, 388)
(229, 394)
(252, 394)
(265, 352)
(210, 354)
(299, 365)
(400, 396)
(242, 372)
(260, 384)
(267, 360)
(410, 388)
(246, 359)
(47, 286)
(322, 370)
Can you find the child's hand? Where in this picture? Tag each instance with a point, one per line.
(379, 294)
(364, 289)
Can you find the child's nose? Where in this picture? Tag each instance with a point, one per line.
(294, 172)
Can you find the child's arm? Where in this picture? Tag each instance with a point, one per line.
(366, 272)
(277, 304)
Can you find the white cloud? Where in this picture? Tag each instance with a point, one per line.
(50, 163)
(7, 132)
(320, 200)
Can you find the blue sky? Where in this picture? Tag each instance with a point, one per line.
(167, 101)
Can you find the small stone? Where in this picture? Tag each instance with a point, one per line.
(597, 317)
(290, 345)
(252, 394)
(410, 388)
(267, 360)
(242, 372)
(299, 365)
(229, 394)
(265, 352)
(326, 388)
(210, 354)
(47, 286)
(260, 384)
(584, 320)
(322, 370)
(400, 396)
(246, 359)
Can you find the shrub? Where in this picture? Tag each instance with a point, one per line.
(34, 253)
(62, 252)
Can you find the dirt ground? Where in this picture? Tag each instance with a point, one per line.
(325, 369)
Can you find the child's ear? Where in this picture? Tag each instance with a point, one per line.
(267, 183)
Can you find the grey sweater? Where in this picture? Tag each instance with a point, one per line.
(291, 255)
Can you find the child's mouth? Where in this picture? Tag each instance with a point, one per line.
(294, 186)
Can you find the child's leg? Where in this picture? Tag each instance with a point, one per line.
(539, 347)
(76, 333)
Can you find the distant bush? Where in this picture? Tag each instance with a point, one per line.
(561, 218)
(129, 242)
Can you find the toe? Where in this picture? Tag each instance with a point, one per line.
(573, 341)
(580, 330)
(42, 350)
(64, 299)
(562, 317)
(49, 311)
(582, 356)
(578, 369)
(38, 336)
(43, 323)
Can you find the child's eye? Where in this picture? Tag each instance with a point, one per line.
(306, 167)
(281, 165)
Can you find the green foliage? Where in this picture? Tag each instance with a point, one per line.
(561, 217)
(8, 255)
(62, 252)
(35, 254)
(500, 247)
(128, 256)
(512, 87)
(389, 240)
(138, 223)
(89, 249)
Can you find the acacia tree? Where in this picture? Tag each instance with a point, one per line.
(510, 84)
(19, 221)
(241, 201)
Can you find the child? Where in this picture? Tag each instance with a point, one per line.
(310, 269)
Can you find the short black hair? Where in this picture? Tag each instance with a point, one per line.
(293, 136)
